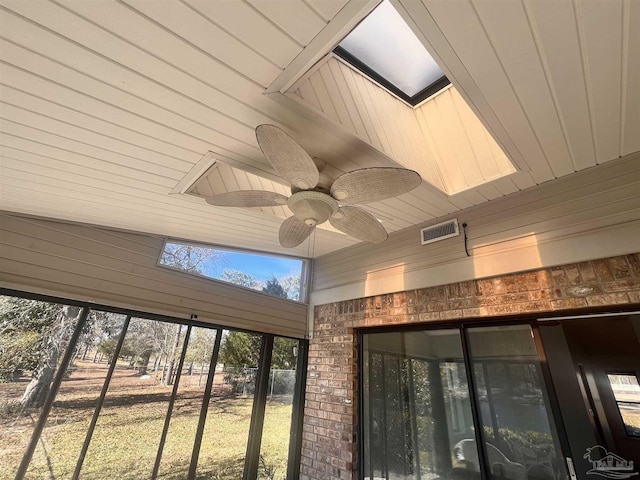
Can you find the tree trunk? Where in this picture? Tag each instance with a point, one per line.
(168, 379)
(38, 388)
(145, 363)
(36, 392)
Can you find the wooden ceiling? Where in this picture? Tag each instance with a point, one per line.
(106, 106)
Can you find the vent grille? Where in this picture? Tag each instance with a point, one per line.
(440, 231)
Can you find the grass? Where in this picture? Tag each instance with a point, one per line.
(127, 434)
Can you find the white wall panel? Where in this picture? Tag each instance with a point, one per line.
(119, 269)
(442, 139)
(589, 215)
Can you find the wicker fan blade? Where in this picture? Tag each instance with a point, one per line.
(360, 224)
(287, 158)
(247, 198)
(293, 232)
(372, 184)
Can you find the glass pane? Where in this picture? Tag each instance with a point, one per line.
(33, 338)
(276, 275)
(274, 449)
(64, 433)
(417, 414)
(125, 441)
(226, 431)
(626, 391)
(520, 439)
(176, 456)
(385, 43)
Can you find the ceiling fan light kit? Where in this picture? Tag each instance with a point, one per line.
(313, 204)
(312, 208)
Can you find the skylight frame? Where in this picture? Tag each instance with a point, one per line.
(413, 100)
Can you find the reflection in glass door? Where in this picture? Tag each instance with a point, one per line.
(420, 421)
(416, 407)
(520, 440)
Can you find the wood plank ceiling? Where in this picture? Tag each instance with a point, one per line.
(107, 105)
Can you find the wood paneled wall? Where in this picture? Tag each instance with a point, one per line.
(592, 214)
(119, 269)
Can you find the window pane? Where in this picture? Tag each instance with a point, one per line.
(33, 338)
(176, 456)
(627, 394)
(385, 43)
(274, 449)
(275, 275)
(520, 439)
(226, 431)
(64, 433)
(417, 414)
(125, 441)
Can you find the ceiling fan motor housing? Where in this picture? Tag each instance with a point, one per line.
(312, 208)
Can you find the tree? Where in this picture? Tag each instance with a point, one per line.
(240, 278)
(273, 287)
(42, 330)
(285, 351)
(189, 258)
(240, 349)
(200, 349)
(291, 286)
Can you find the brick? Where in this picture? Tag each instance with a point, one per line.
(568, 303)
(603, 270)
(607, 299)
(620, 267)
(573, 274)
(329, 430)
(559, 277)
(621, 286)
(634, 264)
(587, 273)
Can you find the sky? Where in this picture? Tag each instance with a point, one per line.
(261, 267)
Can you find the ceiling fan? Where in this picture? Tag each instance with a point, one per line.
(315, 198)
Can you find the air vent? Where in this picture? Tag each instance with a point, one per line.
(440, 231)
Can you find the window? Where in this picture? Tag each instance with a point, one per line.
(118, 395)
(452, 403)
(275, 275)
(626, 391)
(384, 48)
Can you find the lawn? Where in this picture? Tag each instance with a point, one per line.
(127, 434)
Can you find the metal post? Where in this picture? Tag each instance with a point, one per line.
(383, 430)
(103, 393)
(205, 407)
(475, 409)
(297, 414)
(414, 423)
(492, 409)
(252, 458)
(53, 391)
(174, 392)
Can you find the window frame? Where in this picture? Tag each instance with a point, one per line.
(463, 327)
(304, 271)
(617, 402)
(257, 416)
(413, 101)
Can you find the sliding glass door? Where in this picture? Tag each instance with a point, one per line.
(430, 398)
(519, 437)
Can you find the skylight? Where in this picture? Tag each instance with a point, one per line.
(383, 47)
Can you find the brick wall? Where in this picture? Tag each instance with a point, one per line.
(329, 449)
